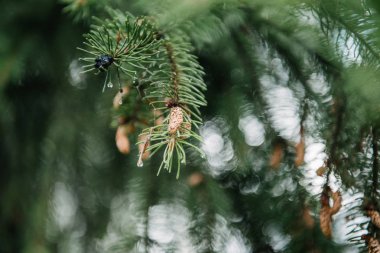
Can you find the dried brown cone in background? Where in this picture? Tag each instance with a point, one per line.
(300, 149)
(321, 170)
(375, 217)
(122, 141)
(175, 119)
(373, 244)
(325, 221)
(277, 155)
(327, 212)
(300, 153)
(195, 179)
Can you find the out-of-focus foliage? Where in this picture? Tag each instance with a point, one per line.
(292, 86)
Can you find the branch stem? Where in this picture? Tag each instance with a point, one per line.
(174, 69)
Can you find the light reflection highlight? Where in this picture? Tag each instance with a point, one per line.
(65, 205)
(318, 84)
(217, 146)
(278, 240)
(76, 78)
(227, 239)
(283, 109)
(253, 130)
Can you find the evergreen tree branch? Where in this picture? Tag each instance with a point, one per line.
(173, 84)
(354, 21)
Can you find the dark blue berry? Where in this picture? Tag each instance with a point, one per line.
(103, 62)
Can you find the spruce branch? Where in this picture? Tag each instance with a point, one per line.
(352, 26)
(173, 81)
(82, 9)
(366, 205)
(176, 88)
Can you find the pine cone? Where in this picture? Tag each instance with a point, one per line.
(373, 245)
(300, 153)
(122, 141)
(195, 179)
(375, 217)
(175, 119)
(321, 170)
(337, 198)
(325, 221)
(277, 154)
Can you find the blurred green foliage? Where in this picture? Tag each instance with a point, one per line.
(64, 187)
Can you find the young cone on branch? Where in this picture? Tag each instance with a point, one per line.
(175, 119)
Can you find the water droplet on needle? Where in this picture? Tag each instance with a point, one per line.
(110, 85)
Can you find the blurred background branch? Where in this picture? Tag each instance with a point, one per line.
(262, 185)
